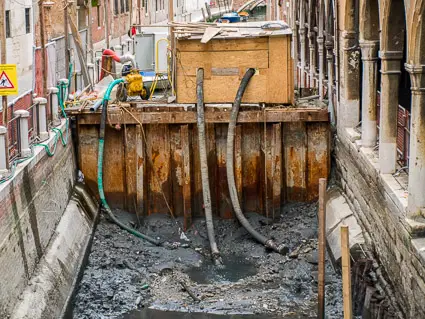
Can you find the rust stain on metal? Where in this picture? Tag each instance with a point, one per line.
(141, 174)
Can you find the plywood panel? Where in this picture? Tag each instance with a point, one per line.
(273, 82)
(223, 45)
(190, 61)
(280, 76)
(222, 89)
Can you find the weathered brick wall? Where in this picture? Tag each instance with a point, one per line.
(30, 209)
(382, 218)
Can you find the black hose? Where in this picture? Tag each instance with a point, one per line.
(204, 167)
(100, 181)
(269, 243)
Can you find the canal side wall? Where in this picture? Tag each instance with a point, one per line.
(379, 203)
(32, 204)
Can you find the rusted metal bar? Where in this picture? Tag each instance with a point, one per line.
(211, 116)
(322, 248)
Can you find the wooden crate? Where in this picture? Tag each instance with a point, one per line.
(226, 60)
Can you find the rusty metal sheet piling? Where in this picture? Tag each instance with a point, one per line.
(144, 176)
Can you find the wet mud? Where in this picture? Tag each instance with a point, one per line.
(128, 278)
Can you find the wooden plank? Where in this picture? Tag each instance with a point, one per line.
(130, 162)
(211, 116)
(177, 174)
(223, 45)
(266, 168)
(318, 157)
(276, 157)
(212, 163)
(197, 196)
(113, 174)
(322, 249)
(346, 272)
(223, 59)
(88, 151)
(224, 204)
(187, 200)
(210, 33)
(251, 172)
(295, 148)
(159, 180)
(238, 161)
(141, 180)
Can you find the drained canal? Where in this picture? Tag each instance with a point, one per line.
(126, 277)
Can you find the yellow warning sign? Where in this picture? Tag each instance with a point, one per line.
(8, 79)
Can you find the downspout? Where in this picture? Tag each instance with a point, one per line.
(100, 169)
(215, 254)
(269, 243)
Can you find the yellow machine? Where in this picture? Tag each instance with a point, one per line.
(133, 85)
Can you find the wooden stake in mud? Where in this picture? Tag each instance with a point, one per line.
(346, 272)
(322, 249)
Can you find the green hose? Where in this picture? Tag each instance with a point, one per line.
(100, 169)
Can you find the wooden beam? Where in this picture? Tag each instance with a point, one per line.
(78, 44)
(211, 116)
(322, 249)
(187, 199)
(346, 272)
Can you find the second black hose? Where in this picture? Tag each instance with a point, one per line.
(269, 243)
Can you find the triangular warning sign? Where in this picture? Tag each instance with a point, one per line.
(5, 83)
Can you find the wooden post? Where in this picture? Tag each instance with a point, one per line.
(346, 272)
(3, 61)
(3, 56)
(173, 67)
(79, 45)
(66, 36)
(107, 23)
(322, 248)
(90, 33)
(43, 45)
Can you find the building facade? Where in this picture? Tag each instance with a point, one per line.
(367, 59)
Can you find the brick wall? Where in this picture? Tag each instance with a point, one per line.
(31, 208)
(382, 217)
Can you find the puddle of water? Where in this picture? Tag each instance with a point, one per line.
(235, 268)
(160, 314)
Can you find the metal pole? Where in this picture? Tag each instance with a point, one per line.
(3, 61)
(322, 248)
(66, 36)
(43, 45)
(346, 272)
(107, 23)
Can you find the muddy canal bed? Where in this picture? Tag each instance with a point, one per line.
(127, 277)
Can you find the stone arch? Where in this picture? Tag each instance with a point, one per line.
(416, 33)
(393, 25)
(369, 23)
